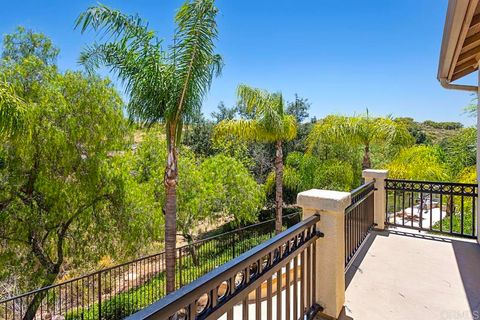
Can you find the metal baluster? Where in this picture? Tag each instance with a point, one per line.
(421, 211)
(412, 202)
(287, 291)
(258, 303)
(451, 210)
(473, 215)
(431, 209)
(269, 296)
(441, 212)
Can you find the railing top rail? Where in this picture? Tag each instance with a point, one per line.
(432, 182)
(240, 229)
(360, 194)
(359, 189)
(95, 273)
(183, 296)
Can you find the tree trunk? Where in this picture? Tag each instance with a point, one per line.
(38, 297)
(192, 250)
(52, 270)
(279, 187)
(367, 163)
(170, 180)
(449, 205)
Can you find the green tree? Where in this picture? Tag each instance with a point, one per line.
(299, 108)
(25, 43)
(415, 130)
(228, 189)
(460, 150)
(269, 123)
(361, 131)
(18, 47)
(419, 162)
(307, 171)
(198, 136)
(224, 113)
(60, 187)
(163, 86)
(443, 125)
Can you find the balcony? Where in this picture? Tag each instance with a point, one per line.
(390, 249)
(418, 268)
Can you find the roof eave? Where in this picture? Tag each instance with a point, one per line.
(457, 22)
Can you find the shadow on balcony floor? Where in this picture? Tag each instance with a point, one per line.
(409, 275)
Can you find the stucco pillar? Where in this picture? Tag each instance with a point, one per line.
(379, 177)
(330, 254)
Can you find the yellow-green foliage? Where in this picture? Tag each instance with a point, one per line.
(468, 175)
(419, 162)
(305, 171)
(269, 121)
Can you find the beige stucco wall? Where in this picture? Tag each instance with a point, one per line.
(330, 250)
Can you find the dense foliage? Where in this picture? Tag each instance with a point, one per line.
(267, 122)
(228, 191)
(58, 178)
(82, 188)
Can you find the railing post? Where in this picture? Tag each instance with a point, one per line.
(379, 195)
(330, 250)
(99, 295)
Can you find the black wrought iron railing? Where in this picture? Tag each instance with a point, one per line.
(359, 219)
(275, 277)
(118, 291)
(438, 207)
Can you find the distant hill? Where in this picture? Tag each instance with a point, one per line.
(430, 132)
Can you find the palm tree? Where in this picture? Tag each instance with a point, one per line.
(164, 86)
(11, 109)
(269, 124)
(363, 131)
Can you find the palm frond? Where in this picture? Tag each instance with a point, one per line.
(357, 131)
(162, 86)
(137, 61)
(268, 109)
(254, 99)
(247, 130)
(194, 55)
(112, 23)
(289, 128)
(331, 129)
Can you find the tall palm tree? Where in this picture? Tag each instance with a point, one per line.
(164, 86)
(270, 124)
(363, 131)
(11, 109)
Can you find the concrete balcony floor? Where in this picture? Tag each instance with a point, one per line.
(401, 274)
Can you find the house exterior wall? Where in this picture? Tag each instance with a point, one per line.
(478, 157)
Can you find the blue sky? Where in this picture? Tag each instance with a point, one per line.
(344, 56)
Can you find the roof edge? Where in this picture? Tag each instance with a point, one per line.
(454, 24)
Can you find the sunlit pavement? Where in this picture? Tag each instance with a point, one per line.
(408, 275)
